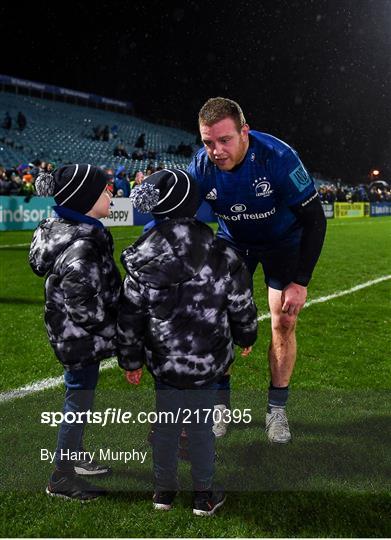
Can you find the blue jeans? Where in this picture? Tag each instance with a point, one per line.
(199, 431)
(80, 387)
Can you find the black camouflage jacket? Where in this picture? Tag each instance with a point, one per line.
(185, 300)
(81, 289)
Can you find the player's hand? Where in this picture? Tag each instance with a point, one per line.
(246, 351)
(134, 377)
(293, 298)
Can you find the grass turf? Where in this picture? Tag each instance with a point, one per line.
(331, 481)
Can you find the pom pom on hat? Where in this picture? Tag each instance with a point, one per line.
(168, 193)
(76, 186)
(145, 197)
(45, 185)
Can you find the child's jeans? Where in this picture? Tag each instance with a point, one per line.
(196, 416)
(80, 387)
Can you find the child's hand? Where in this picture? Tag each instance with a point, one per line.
(134, 377)
(246, 351)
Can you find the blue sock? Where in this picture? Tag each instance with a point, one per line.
(277, 396)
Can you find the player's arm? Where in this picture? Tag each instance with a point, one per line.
(298, 191)
(313, 221)
(310, 215)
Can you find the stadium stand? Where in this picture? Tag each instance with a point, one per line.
(63, 133)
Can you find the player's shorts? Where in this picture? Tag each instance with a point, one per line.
(279, 265)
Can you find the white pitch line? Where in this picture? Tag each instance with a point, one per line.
(45, 384)
(57, 381)
(8, 246)
(338, 294)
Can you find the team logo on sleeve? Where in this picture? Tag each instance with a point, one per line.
(300, 178)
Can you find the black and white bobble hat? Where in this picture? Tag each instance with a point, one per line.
(76, 186)
(171, 193)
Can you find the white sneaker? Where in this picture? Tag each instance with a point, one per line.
(221, 415)
(277, 427)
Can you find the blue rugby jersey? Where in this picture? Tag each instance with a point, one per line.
(252, 202)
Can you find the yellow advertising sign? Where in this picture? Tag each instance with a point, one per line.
(349, 210)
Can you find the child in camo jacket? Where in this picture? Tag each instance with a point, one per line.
(185, 301)
(74, 252)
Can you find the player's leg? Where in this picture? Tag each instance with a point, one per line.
(279, 268)
(282, 349)
(282, 358)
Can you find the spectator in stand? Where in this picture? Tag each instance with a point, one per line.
(120, 151)
(106, 133)
(121, 182)
(39, 166)
(97, 133)
(138, 178)
(114, 131)
(36, 164)
(9, 185)
(140, 142)
(184, 150)
(21, 121)
(340, 195)
(137, 155)
(7, 122)
(5, 183)
(110, 177)
(27, 177)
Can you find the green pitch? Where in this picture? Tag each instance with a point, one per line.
(332, 481)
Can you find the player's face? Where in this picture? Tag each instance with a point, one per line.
(225, 145)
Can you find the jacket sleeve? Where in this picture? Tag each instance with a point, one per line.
(81, 284)
(242, 311)
(131, 326)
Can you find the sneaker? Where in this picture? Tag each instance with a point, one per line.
(162, 500)
(70, 486)
(277, 427)
(93, 468)
(207, 502)
(222, 420)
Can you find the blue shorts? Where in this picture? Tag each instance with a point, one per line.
(279, 265)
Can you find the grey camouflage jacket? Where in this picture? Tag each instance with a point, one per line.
(185, 300)
(81, 289)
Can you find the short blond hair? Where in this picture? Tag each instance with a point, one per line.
(218, 108)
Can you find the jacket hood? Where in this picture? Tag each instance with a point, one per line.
(170, 253)
(119, 170)
(54, 236)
